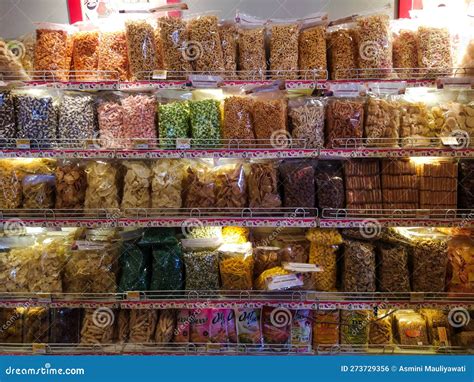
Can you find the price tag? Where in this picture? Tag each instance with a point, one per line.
(133, 295)
(455, 83)
(141, 145)
(449, 141)
(23, 144)
(183, 143)
(284, 282)
(44, 297)
(159, 74)
(38, 348)
(387, 88)
(205, 82)
(346, 89)
(301, 267)
(417, 296)
(85, 245)
(91, 144)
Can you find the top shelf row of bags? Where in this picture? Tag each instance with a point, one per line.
(370, 46)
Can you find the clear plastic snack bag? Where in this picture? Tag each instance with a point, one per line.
(307, 115)
(174, 39)
(102, 189)
(312, 47)
(283, 35)
(141, 48)
(167, 183)
(252, 60)
(343, 51)
(71, 185)
(263, 185)
(136, 189)
(201, 260)
(77, 117)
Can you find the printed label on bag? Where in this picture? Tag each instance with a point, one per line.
(301, 267)
(346, 89)
(455, 83)
(387, 88)
(284, 282)
(84, 245)
(204, 82)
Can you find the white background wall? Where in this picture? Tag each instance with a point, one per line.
(17, 16)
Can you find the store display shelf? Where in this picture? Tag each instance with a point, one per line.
(245, 217)
(224, 349)
(374, 220)
(290, 299)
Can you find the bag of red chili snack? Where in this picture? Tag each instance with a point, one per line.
(231, 329)
(218, 326)
(199, 332)
(301, 330)
(276, 324)
(181, 333)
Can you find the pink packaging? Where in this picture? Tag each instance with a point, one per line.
(200, 325)
(181, 333)
(231, 329)
(218, 326)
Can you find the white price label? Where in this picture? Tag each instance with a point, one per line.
(449, 141)
(23, 144)
(302, 267)
(183, 143)
(205, 82)
(387, 88)
(84, 245)
(141, 145)
(133, 295)
(346, 89)
(159, 74)
(38, 348)
(284, 282)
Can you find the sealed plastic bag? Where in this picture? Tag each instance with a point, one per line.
(238, 124)
(205, 118)
(183, 320)
(165, 326)
(173, 122)
(36, 115)
(65, 326)
(94, 332)
(252, 60)
(236, 266)
(86, 55)
(102, 190)
(307, 116)
(430, 260)
(139, 113)
(393, 269)
(461, 264)
(342, 45)
(312, 47)
(345, 120)
(133, 264)
(438, 325)
(200, 324)
(330, 184)
(283, 48)
(199, 187)
(7, 115)
(36, 324)
(38, 191)
(325, 328)
(265, 258)
(110, 115)
(51, 51)
(263, 185)
(203, 32)
(249, 326)
(141, 48)
(218, 326)
(201, 260)
(382, 122)
(77, 117)
(380, 328)
(434, 50)
(405, 47)
(410, 328)
(90, 269)
(168, 266)
(166, 183)
(142, 325)
(375, 46)
(275, 332)
(112, 52)
(301, 330)
(355, 327)
(359, 267)
(70, 185)
(136, 189)
(230, 185)
(228, 35)
(11, 179)
(294, 247)
(270, 119)
(174, 39)
(298, 183)
(12, 320)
